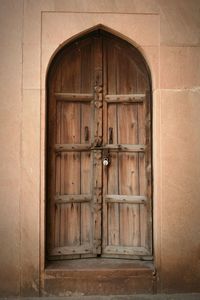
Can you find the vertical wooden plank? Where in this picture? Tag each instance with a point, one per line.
(144, 116)
(58, 139)
(86, 66)
(71, 82)
(71, 70)
(129, 225)
(113, 180)
(70, 123)
(58, 175)
(98, 139)
(86, 174)
(54, 78)
(110, 66)
(86, 133)
(72, 225)
(128, 163)
(128, 173)
(127, 72)
(86, 122)
(113, 224)
(112, 123)
(129, 213)
(70, 173)
(86, 189)
(110, 211)
(148, 170)
(98, 97)
(142, 174)
(104, 221)
(97, 201)
(127, 124)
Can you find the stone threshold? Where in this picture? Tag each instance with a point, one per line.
(99, 276)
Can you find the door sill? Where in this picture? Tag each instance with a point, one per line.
(99, 276)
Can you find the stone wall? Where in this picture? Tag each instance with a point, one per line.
(168, 35)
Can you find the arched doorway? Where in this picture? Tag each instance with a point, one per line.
(99, 179)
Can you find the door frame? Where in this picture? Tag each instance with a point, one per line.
(43, 95)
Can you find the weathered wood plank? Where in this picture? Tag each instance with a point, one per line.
(148, 166)
(97, 201)
(128, 173)
(70, 123)
(98, 96)
(127, 250)
(58, 176)
(86, 147)
(125, 147)
(72, 147)
(74, 97)
(52, 132)
(61, 199)
(110, 175)
(125, 199)
(127, 124)
(71, 250)
(129, 98)
(138, 257)
(86, 138)
(70, 212)
(143, 191)
(86, 216)
(97, 140)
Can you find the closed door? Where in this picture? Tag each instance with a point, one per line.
(98, 151)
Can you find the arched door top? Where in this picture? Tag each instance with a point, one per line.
(100, 29)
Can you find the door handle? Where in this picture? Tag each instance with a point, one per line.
(110, 135)
(86, 134)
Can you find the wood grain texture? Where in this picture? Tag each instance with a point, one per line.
(74, 97)
(128, 98)
(99, 103)
(126, 209)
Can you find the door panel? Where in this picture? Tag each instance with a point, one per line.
(70, 210)
(98, 106)
(126, 198)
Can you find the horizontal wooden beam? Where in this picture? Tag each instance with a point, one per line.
(125, 199)
(126, 250)
(88, 147)
(128, 98)
(63, 199)
(74, 97)
(125, 147)
(72, 147)
(70, 250)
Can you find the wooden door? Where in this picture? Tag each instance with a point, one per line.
(98, 111)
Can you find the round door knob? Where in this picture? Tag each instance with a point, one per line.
(105, 161)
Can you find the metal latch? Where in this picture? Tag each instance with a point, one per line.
(106, 157)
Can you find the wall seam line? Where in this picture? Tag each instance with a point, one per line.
(21, 156)
(99, 12)
(40, 284)
(160, 168)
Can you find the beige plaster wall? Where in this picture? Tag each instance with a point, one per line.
(168, 35)
(10, 139)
